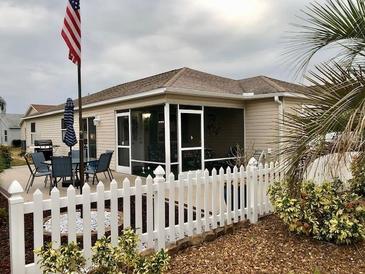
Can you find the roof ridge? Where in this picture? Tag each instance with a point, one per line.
(272, 83)
(174, 78)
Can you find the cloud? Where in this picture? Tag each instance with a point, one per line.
(126, 40)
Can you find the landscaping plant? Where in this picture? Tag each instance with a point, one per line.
(67, 259)
(5, 158)
(323, 211)
(357, 183)
(336, 87)
(106, 258)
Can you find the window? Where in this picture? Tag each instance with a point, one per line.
(5, 135)
(32, 133)
(32, 127)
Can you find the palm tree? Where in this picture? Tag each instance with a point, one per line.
(337, 91)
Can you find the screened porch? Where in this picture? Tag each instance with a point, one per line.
(177, 137)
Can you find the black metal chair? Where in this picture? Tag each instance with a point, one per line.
(100, 166)
(62, 169)
(40, 169)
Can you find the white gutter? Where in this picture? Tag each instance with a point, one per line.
(280, 120)
(243, 96)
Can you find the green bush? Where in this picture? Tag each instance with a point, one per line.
(66, 259)
(5, 158)
(323, 211)
(357, 183)
(109, 259)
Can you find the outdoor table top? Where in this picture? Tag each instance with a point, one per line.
(75, 161)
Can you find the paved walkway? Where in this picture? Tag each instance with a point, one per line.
(21, 174)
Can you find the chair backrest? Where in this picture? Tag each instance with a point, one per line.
(110, 156)
(38, 161)
(104, 161)
(61, 166)
(26, 158)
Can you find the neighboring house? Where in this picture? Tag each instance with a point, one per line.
(9, 125)
(182, 119)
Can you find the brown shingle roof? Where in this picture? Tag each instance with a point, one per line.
(43, 108)
(186, 78)
(265, 85)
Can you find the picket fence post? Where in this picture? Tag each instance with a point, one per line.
(159, 180)
(254, 200)
(16, 228)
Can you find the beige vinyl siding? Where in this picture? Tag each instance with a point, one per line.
(261, 130)
(49, 127)
(291, 104)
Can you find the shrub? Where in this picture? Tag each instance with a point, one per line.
(67, 259)
(109, 259)
(324, 211)
(5, 158)
(16, 143)
(357, 183)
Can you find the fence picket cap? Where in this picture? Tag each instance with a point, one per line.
(15, 188)
(159, 172)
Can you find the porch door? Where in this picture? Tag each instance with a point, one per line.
(123, 142)
(191, 139)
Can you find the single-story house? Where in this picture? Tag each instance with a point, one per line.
(9, 125)
(182, 119)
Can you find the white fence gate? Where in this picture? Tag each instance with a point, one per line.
(205, 199)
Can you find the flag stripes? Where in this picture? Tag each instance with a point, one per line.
(71, 30)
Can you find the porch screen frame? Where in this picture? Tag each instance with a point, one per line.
(123, 169)
(179, 132)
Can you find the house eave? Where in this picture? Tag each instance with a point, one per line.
(174, 91)
(199, 93)
(145, 94)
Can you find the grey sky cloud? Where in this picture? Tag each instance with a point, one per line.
(126, 40)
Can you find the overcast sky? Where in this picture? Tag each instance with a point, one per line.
(125, 40)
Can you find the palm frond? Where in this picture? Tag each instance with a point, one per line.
(339, 23)
(337, 105)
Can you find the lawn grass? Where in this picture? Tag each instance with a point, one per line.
(18, 160)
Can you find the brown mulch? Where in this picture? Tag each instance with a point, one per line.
(268, 247)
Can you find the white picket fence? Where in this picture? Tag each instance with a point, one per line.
(205, 198)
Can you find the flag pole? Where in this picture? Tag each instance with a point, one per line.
(81, 128)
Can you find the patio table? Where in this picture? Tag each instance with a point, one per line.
(76, 162)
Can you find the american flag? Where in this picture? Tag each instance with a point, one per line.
(71, 31)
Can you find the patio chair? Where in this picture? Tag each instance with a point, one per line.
(40, 169)
(62, 169)
(100, 166)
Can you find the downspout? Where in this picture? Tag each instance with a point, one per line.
(280, 120)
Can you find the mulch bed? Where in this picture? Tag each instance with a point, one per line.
(268, 247)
